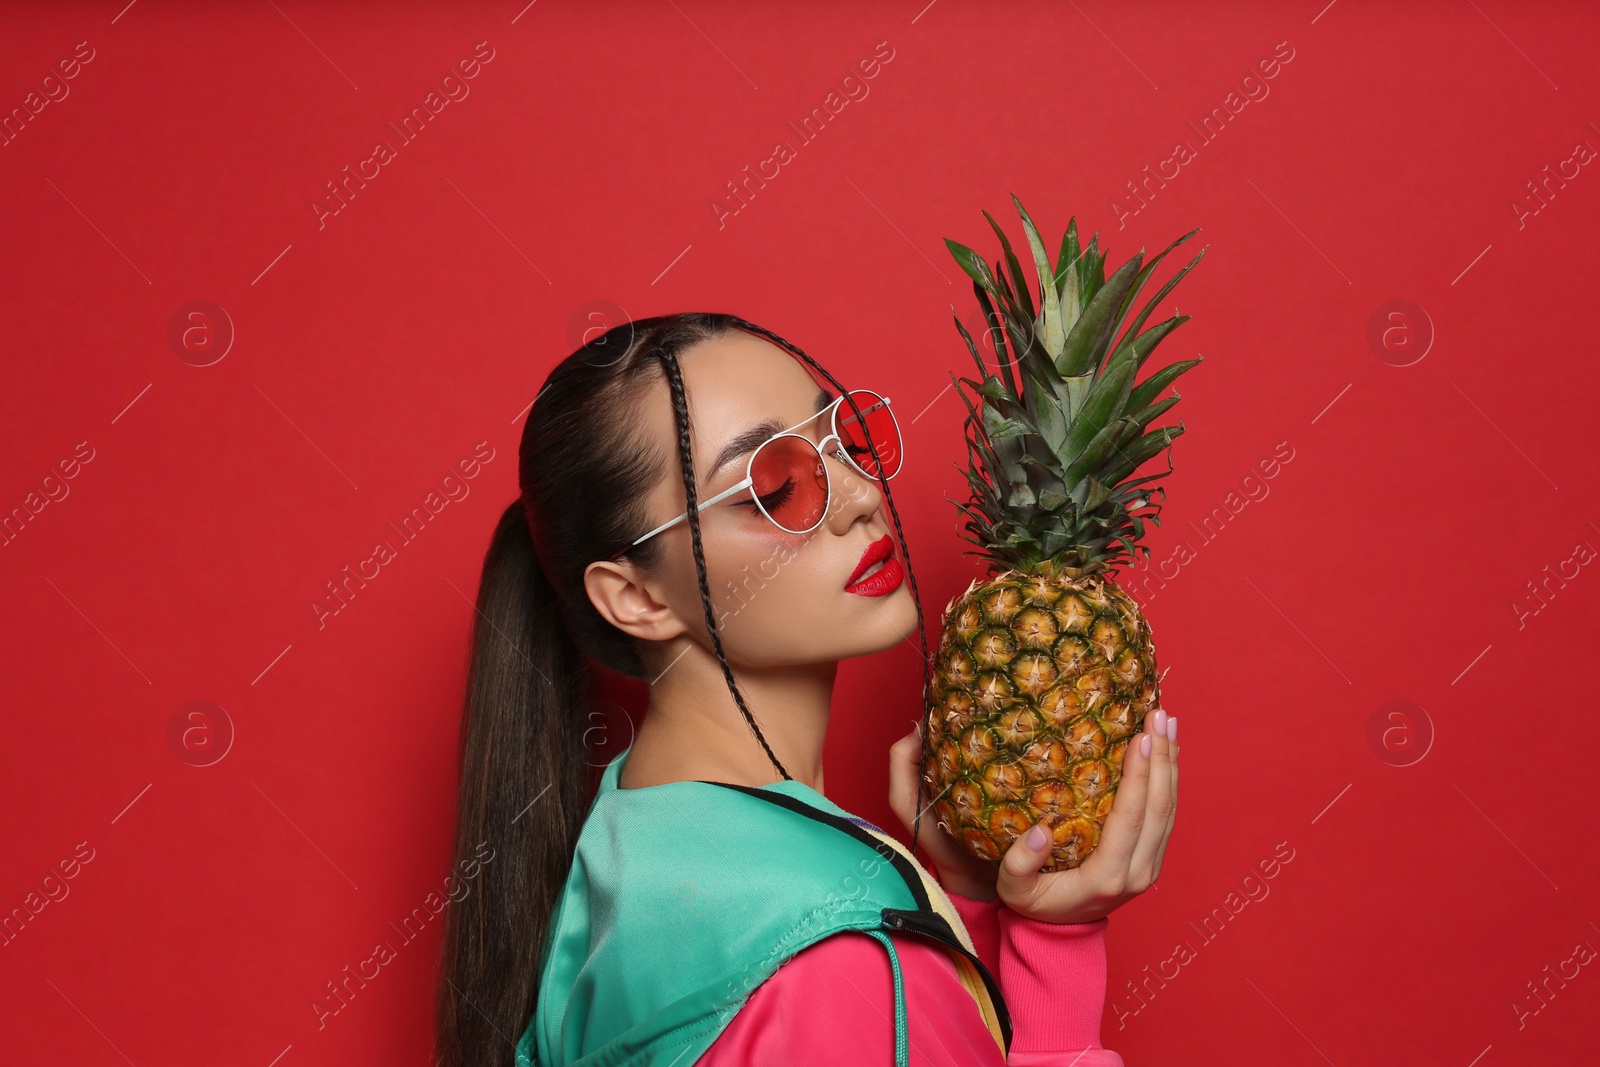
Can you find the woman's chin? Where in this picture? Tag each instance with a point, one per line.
(895, 622)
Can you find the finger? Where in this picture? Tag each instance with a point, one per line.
(908, 802)
(1159, 810)
(1173, 818)
(903, 792)
(1166, 832)
(1120, 834)
(1018, 883)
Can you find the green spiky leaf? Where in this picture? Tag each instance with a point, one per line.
(1019, 281)
(1087, 342)
(1055, 337)
(973, 264)
(1152, 386)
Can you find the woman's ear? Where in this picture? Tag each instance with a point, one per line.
(618, 591)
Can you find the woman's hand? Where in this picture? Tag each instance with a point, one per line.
(959, 870)
(1127, 860)
(1124, 864)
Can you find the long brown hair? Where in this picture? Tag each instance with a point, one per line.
(525, 782)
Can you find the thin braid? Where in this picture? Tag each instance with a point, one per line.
(894, 512)
(680, 410)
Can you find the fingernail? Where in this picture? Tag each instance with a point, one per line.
(919, 728)
(1036, 837)
(1145, 742)
(1172, 729)
(1161, 720)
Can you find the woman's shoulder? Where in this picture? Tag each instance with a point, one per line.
(696, 825)
(838, 993)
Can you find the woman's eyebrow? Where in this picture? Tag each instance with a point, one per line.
(752, 438)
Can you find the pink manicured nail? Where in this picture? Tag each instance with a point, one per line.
(1161, 720)
(1036, 837)
(1172, 729)
(1145, 742)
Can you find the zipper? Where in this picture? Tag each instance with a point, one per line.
(932, 925)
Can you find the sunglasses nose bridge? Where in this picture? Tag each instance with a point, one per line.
(838, 451)
(842, 454)
(848, 490)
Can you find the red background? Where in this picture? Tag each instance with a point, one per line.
(373, 353)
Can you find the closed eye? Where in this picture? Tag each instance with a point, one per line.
(774, 499)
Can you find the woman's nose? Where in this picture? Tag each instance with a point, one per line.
(854, 494)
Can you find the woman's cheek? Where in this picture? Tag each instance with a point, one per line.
(779, 596)
(739, 589)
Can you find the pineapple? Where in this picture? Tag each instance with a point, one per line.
(1046, 669)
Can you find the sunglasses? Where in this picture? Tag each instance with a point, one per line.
(786, 475)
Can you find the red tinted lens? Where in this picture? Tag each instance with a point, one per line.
(790, 482)
(880, 424)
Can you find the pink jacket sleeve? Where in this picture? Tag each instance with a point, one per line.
(833, 1002)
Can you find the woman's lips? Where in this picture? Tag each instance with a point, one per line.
(880, 549)
(885, 578)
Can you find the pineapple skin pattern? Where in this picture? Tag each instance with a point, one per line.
(1040, 683)
(1046, 668)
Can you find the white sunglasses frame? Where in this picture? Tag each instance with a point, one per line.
(748, 481)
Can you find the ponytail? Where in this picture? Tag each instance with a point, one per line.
(523, 795)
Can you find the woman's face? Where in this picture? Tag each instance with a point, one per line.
(779, 598)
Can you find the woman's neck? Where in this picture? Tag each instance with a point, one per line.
(693, 729)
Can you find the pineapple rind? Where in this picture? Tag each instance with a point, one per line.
(1000, 764)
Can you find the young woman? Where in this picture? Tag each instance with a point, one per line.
(702, 508)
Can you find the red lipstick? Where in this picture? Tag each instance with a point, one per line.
(886, 579)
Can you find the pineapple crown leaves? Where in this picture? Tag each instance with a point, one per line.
(1056, 428)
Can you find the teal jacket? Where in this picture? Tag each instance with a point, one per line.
(684, 897)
